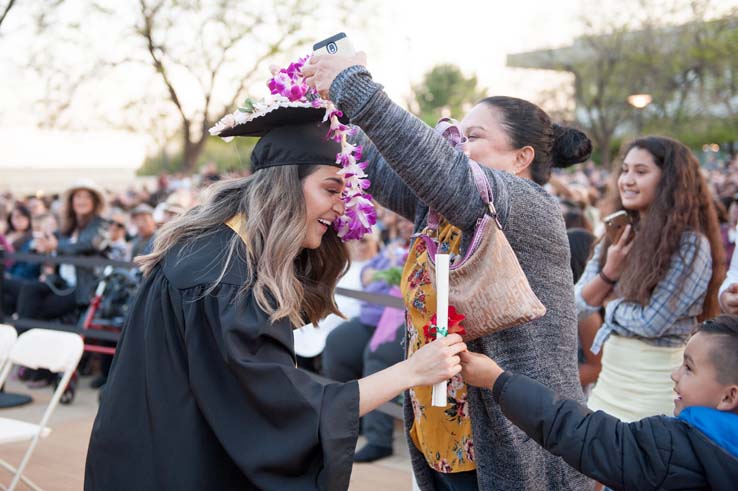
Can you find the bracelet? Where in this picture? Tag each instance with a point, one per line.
(607, 279)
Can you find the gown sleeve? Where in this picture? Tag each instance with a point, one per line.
(283, 428)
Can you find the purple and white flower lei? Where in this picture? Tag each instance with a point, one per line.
(360, 214)
(289, 89)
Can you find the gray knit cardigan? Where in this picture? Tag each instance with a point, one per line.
(412, 168)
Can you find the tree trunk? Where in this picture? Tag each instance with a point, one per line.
(189, 159)
(191, 150)
(603, 141)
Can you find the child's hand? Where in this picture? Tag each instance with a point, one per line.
(479, 370)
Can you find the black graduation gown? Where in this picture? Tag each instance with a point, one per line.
(204, 393)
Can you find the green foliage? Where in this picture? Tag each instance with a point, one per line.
(444, 87)
(391, 276)
(689, 68)
(232, 155)
(695, 88)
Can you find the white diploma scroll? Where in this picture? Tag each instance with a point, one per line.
(440, 398)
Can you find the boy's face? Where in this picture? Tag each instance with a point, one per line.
(696, 380)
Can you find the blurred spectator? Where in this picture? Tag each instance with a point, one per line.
(175, 205)
(574, 218)
(179, 181)
(20, 236)
(37, 206)
(143, 220)
(119, 247)
(209, 174)
(82, 233)
(581, 243)
(170, 211)
(725, 229)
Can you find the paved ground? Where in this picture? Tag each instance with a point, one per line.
(58, 461)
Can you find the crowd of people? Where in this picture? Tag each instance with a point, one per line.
(621, 310)
(83, 221)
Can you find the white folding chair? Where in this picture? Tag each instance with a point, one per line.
(8, 336)
(38, 348)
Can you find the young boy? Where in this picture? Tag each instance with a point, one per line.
(696, 450)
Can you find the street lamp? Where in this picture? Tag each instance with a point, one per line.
(639, 101)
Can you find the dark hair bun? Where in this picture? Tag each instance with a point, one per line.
(571, 146)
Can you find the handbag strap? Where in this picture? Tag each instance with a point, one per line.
(485, 192)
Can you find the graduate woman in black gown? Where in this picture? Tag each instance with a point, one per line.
(204, 393)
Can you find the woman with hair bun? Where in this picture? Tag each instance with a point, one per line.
(515, 135)
(469, 444)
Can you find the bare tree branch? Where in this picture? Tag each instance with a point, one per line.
(149, 17)
(7, 9)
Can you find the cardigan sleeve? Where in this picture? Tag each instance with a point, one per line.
(435, 172)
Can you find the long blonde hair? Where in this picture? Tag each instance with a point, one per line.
(287, 281)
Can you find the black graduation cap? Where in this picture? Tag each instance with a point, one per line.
(289, 136)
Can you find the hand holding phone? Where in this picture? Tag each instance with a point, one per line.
(331, 57)
(617, 254)
(338, 44)
(615, 225)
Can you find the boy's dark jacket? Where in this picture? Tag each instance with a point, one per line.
(698, 450)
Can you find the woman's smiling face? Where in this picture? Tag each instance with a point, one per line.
(639, 180)
(487, 143)
(322, 191)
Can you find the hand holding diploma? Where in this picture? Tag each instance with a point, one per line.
(436, 361)
(432, 363)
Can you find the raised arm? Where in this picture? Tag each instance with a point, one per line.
(387, 188)
(435, 172)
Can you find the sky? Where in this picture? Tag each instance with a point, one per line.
(402, 38)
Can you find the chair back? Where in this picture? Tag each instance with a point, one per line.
(8, 337)
(55, 351)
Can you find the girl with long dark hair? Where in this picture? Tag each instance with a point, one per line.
(658, 281)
